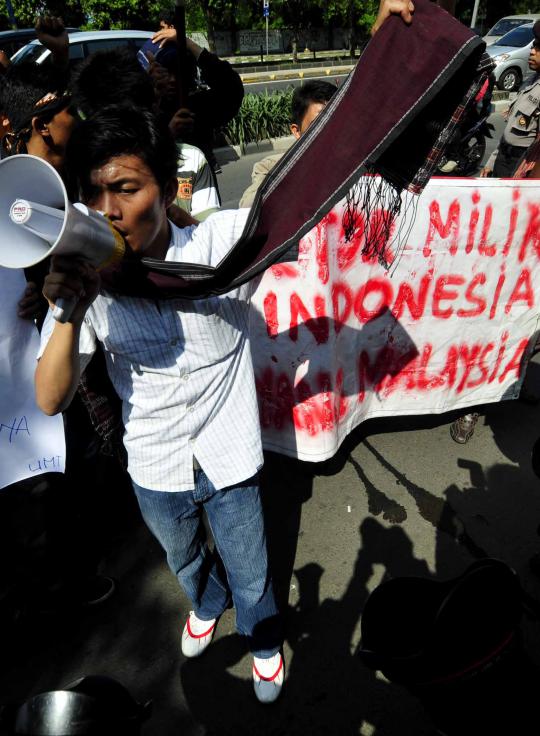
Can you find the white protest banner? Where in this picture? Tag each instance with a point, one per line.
(337, 339)
(31, 443)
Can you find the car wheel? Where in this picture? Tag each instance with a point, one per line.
(509, 80)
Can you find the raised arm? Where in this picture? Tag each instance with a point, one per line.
(404, 8)
(58, 370)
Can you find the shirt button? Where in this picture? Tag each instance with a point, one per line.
(173, 342)
(185, 377)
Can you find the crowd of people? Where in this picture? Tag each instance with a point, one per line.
(160, 394)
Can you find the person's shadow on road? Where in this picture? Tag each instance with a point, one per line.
(328, 690)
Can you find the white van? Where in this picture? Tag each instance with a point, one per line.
(506, 24)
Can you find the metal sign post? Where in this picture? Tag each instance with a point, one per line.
(11, 14)
(475, 13)
(266, 14)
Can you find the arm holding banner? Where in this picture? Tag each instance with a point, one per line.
(59, 369)
(404, 8)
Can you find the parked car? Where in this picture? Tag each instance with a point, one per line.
(507, 24)
(12, 41)
(83, 44)
(511, 56)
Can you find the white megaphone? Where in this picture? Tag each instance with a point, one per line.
(37, 220)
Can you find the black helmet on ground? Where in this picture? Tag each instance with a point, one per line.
(91, 706)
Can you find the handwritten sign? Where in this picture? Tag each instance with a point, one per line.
(30, 442)
(337, 339)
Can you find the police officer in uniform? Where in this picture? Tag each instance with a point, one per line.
(523, 120)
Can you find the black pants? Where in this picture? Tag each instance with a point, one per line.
(508, 159)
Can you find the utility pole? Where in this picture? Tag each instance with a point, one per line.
(475, 13)
(266, 13)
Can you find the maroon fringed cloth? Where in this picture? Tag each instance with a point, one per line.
(391, 119)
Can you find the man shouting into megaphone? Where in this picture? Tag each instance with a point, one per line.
(183, 372)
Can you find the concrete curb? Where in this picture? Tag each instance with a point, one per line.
(295, 74)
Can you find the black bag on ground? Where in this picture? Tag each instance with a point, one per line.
(456, 645)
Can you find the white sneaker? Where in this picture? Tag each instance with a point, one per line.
(197, 635)
(448, 167)
(268, 677)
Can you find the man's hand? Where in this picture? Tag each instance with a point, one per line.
(164, 35)
(31, 303)
(404, 8)
(182, 123)
(52, 34)
(71, 279)
(486, 172)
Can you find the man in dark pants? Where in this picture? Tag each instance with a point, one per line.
(523, 120)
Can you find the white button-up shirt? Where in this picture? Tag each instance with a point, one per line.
(183, 371)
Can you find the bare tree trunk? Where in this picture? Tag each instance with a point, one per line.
(233, 28)
(210, 31)
(352, 30)
(295, 45)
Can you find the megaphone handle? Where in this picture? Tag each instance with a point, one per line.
(63, 309)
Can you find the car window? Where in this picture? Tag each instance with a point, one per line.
(505, 25)
(518, 38)
(30, 53)
(138, 42)
(14, 44)
(76, 51)
(104, 44)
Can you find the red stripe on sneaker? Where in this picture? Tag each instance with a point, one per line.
(276, 673)
(199, 636)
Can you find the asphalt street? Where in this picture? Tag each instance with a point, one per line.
(401, 498)
(257, 88)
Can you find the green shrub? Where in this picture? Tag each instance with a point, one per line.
(260, 117)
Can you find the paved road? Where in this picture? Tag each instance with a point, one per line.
(257, 88)
(401, 498)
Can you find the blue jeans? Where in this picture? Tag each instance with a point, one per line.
(239, 566)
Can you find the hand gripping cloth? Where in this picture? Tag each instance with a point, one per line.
(393, 117)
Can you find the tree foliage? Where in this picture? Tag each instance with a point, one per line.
(231, 15)
(101, 14)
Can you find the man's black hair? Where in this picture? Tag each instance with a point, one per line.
(24, 85)
(310, 92)
(110, 78)
(120, 131)
(167, 16)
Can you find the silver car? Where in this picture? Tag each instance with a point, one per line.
(511, 56)
(506, 24)
(84, 43)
